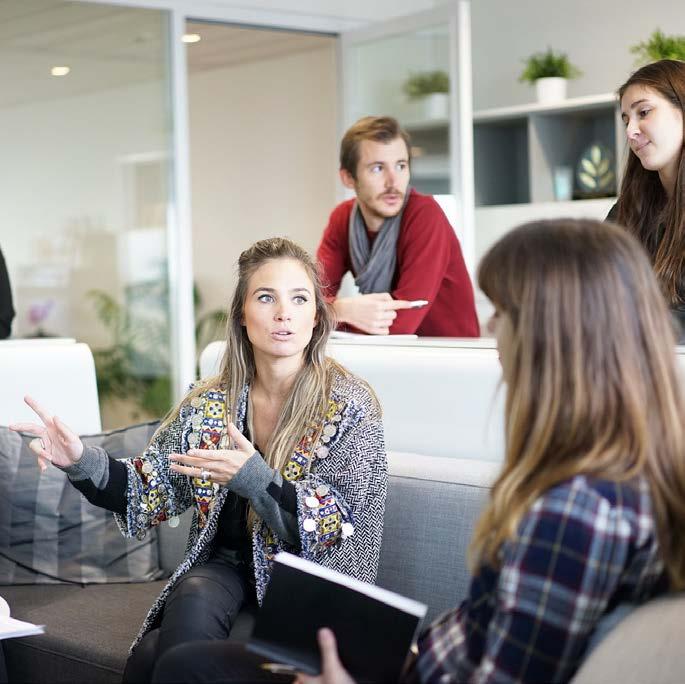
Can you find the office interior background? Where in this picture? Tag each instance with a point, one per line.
(146, 144)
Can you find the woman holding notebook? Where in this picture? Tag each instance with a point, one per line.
(282, 450)
(589, 509)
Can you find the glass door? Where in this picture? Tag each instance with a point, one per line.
(418, 69)
(86, 192)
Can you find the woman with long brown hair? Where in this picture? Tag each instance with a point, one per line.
(588, 511)
(283, 450)
(651, 203)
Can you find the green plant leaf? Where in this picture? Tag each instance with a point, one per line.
(659, 46)
(548, 64)
(421, 84)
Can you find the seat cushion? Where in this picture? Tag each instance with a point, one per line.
(646, 646)
(432, 506)
(49, 533)
(88, 630)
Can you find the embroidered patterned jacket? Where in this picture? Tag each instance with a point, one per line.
(340, 480)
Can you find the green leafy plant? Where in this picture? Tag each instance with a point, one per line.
(136, 365)
(659, 46)
(425, 83)
(546, 65)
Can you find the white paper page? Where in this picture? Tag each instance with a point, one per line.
(374, 339)
(9, 627)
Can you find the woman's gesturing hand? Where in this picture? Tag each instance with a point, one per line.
(55, 442)
(217, 465)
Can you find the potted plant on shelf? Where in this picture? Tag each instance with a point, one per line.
(431, 88)
(659, 46)
(549, 71)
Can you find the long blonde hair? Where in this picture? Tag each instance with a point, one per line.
(591, 379)
(307, 402)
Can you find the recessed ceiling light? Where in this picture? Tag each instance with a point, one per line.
(60, 70)
(191, 38)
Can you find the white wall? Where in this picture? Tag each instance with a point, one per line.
(596, 35)
(263, 160)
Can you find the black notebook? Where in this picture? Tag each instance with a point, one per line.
(374, 627)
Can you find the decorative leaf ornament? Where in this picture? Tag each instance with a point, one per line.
(594, 171)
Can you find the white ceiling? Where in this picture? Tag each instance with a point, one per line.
(362, 11)
(108, 47)
(223, 46)
(104, 46)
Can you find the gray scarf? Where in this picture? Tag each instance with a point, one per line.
(375, 267)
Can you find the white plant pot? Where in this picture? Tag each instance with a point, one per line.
(552, 89)
(435, 106)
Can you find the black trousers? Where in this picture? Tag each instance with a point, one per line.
(202, 606)
(211, 662)
(3, 669)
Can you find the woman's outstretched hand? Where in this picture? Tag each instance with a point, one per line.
(332, 670)
(55, 442)
(217, 465)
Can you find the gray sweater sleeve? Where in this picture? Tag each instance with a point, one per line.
(270, 497)
(93, 465)
(100, 478)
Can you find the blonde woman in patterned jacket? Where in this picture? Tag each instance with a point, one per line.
(283, 450)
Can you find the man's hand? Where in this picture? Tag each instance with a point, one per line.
(332, 670)
(370, 313)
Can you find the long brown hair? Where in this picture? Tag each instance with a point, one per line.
(643, 205)
(591, 379)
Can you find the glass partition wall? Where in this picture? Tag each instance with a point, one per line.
(86, 193)
(417, 68)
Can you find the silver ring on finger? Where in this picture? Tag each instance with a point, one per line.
(205, 474)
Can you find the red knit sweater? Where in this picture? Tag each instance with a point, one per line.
(429, 266)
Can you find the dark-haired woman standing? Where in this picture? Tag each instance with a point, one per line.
(651, 203)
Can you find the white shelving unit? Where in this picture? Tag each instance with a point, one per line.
(516, 150)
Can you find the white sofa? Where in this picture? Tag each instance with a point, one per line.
(58, 373)
(448, 386)
(440, 397)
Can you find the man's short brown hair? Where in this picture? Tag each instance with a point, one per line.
(383, 129)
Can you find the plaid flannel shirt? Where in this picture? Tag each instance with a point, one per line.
(584, 547)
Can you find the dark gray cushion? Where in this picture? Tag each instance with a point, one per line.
(50, 534)
(85, 628)
(432, 507)
(88, 630)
